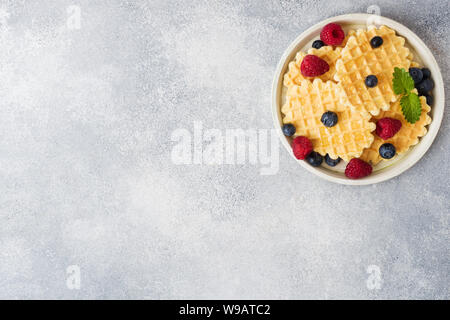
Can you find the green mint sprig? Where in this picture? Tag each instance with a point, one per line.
(403, 84)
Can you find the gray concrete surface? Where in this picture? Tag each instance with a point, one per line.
(92, 204)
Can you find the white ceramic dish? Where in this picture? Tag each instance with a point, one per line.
(387, 169)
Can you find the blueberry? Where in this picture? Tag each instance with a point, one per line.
(314, 159)
(371, 81)
(426, 85)
(387, 151)
(288, 130)
(416, 74)
(329, 119)
(318, 44)
(426, 73)
(421, 92)
(375, 42)
(429, 98)
(331, 162)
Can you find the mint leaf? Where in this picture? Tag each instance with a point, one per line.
(402, 82)
(411, 107)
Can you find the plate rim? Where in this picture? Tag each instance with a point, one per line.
(409, 159)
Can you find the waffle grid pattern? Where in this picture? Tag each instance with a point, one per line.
(304, 107)
(407, 136)
(359, 59)
(342, 90)
(327, 53)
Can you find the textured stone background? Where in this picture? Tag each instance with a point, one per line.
(87, 179)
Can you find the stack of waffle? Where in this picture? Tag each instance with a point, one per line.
(343, 91)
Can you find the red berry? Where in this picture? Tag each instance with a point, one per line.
(301, 146)
(313, 66)
(387, 127)
(357, 168)
(332, 34)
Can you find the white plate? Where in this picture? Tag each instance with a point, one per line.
(387, 169)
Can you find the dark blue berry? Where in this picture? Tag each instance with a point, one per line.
(331, 162)
(421, 92)
(429, 98)
(288, 130)
(426, 85)
(318, 44)
(426, 73)
(375, 42)
(371, 81)
(329, 119)
(416, 74)
(387, 151)
(314, 159)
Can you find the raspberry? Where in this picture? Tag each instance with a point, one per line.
(357, 168)
(387, 127)
(313, 66)
(332, 34)
(301, 146)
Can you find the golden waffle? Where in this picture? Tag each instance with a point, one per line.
(406, 137)
(347, 36)
(294, 76)
(304, 107)
(359, 59)
(414, 64)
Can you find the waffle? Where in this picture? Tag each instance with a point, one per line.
(359, 59)
(294, 76)
(350, 33)
(414, 65)
(406, 137)
(304, 107)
